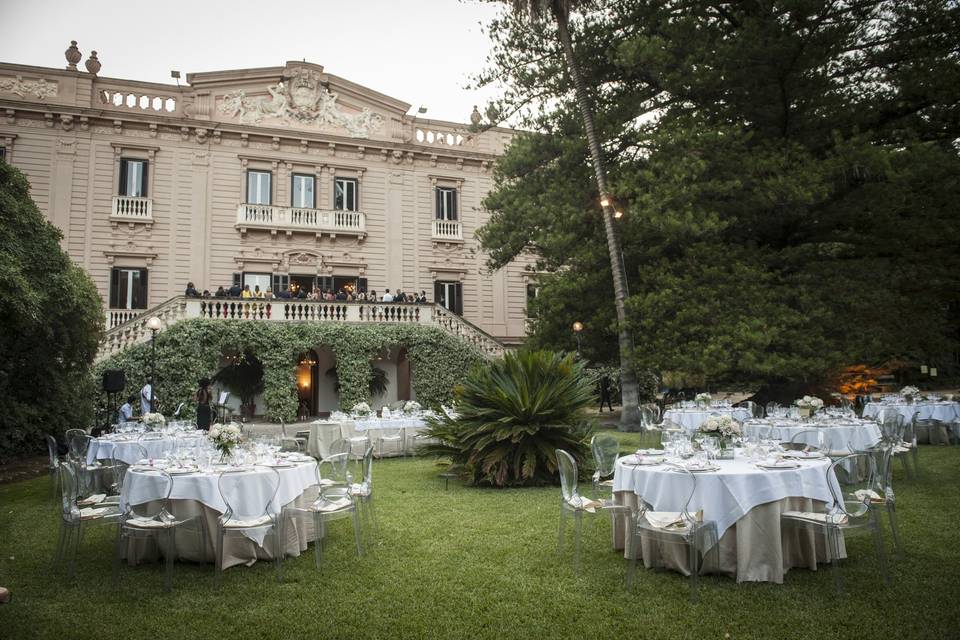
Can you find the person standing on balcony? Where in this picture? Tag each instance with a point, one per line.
(285, 294)
(191, 291)
(257, 293)
(203, 396)
(235, 290)
(221, 293)
(246, 294)
(387, 296)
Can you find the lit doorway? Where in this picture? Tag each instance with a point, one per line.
(301, 283)
(307, 381)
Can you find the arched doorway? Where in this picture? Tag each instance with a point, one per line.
(308, 379)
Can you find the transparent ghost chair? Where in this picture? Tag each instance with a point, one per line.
(78, 446)
(755, 410)
(852, 512)
(359, 440)
(151, 518)
(362, 492)
(808, 441)
(649, 419)
(53, 464)
(882, 492)
(606, 450)
(334, 502)
(681, 527)
(291, 443)
(394, 436)
(123, 456)
(571, 502)
(249, 496)
(74, 518)
(907, 447)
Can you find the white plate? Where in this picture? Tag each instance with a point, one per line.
(803, 455)
(778, 467)
(702, 469)
(180, 471)
(650, 452)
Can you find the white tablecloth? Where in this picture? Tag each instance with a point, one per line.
(728, 494)
(942, 411)
(861, 435)
(691, 419)
(204, 488)
(373, 424)
(323, 433)
(102, 448)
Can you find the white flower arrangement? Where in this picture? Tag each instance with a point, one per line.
(225, 437)
(910, 392)
(809, 402)
(724, 426)
(703, 398)
(153, 420)
(412, 406)
(361, 409)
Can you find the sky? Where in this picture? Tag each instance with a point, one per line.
(420, 51)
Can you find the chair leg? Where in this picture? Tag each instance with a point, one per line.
(218, 560)
(563, 522)
(318, 542)
(577, 528)
(356, 532)
(915, 454)
(118, 547)
(833, 550)
(894, 531)
(906, 467)
(373, 515)
(881, 552)
(694, 573)
(630, 544)
(169, 554)
(278, 548)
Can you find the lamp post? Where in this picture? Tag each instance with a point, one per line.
(577, 328)
(154, 325)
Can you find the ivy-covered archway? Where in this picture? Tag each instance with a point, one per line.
(191, 349)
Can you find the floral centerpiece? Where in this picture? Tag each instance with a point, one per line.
(361, 409)
(225, 437)
(910, 393)
(808, 405)
(153, 420)
(703, 399)
(723, 427)
(412, 406)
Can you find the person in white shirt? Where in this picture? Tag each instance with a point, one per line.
(126, 410)
(387, 297)
(145, 406)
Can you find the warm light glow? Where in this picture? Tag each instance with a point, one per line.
(605, 200)
(578, 326)
(618, 214)
(154, 324)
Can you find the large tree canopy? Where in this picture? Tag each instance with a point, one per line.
(790, 174)
(49, 328)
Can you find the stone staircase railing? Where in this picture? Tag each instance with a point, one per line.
(180, 308)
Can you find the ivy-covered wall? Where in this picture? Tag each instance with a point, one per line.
(191, 349)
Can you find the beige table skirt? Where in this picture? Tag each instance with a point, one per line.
(237, 548)
(755, 549)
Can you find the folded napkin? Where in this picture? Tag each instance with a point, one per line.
(670, 519)
(326, 482)
(325, 505)
(96, 498)
(148, 523)
(262, 521)
(581, 502)
(362, 490)
(91, 514)
(868, 494)
(834, 518)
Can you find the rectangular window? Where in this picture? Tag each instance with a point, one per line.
(533, 290)
(303, 194)
(133, 178)
(345, 194)
(254, 280)
(280, 282)
(449, 295)
(258, 187)
(3, 153)
(128, 288)
(446, 203)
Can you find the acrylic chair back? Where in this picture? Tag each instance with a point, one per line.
(567, 467)
(649, 415)
(52, 453)
(854, 476)
(691, 488)
(605, 450)
(153, 495)
(367, 466)
(339, 466)
(124, 454)
(249, 494)
(69, 491)
(807, 440)
(78, 442)
(338, 446)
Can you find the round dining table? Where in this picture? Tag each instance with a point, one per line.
(839, 436)
(744, 500)
(943, 411)
(198, 493)
(102, 448)
(690, 419)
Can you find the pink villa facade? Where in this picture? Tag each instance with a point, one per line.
(273, 177)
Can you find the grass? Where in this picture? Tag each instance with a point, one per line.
(471, 563)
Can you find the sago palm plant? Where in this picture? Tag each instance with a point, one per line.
(512, 415)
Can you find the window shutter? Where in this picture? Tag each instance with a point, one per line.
(362, 284)
(438, 292)
(114, 288)
(458, 288)
(277, 288)
(143, 187)
(237, 278)
(326, 283)
(122, 189)
(454, 194)
(140, 297)
(439, 204)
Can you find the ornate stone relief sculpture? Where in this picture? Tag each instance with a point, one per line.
(40, 88)
(303, 99)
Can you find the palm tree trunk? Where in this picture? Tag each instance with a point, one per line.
(630, 412)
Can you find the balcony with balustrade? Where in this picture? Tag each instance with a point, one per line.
(288, 220)
(131, 210)
(447, 231)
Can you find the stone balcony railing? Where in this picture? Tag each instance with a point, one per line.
(135, 331)
(289, 219)
(117, 317)
(447, 231)
(131, 209)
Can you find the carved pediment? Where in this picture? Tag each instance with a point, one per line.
(302, 96)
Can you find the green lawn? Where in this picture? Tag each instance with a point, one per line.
(472, 563)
